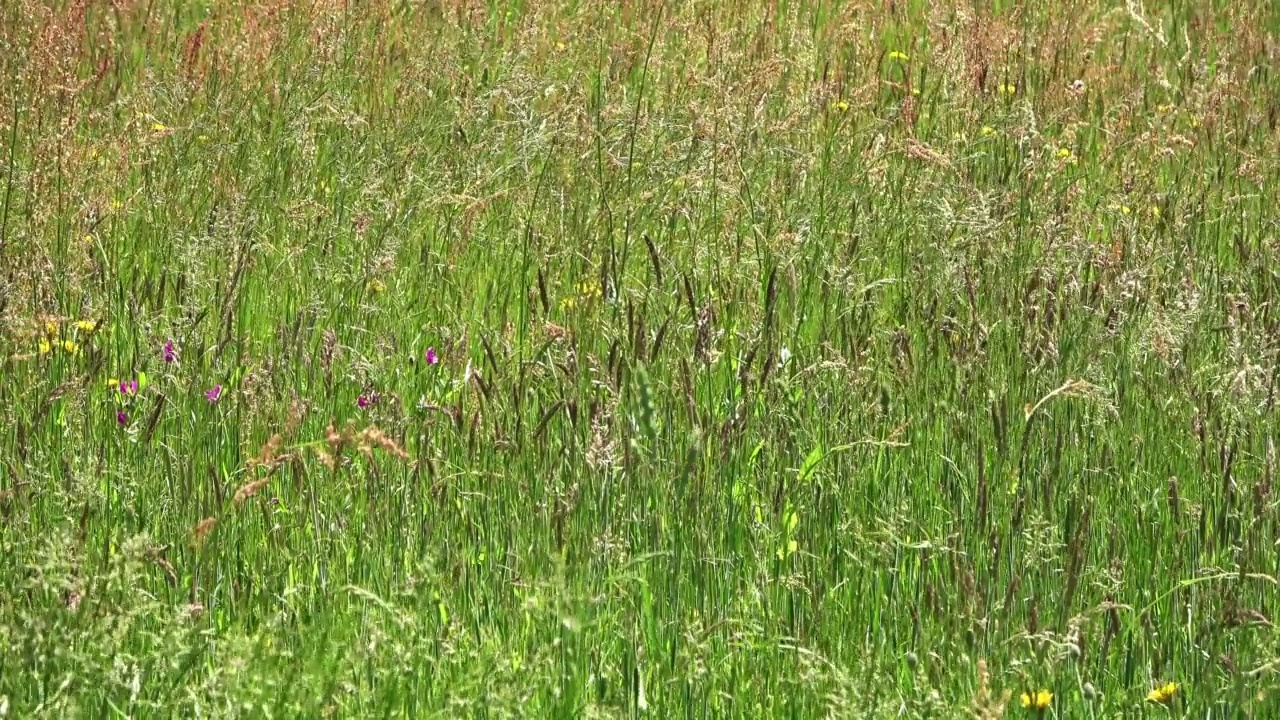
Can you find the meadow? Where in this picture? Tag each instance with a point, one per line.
(796, 359)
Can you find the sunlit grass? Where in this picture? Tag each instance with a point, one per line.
(680, 360)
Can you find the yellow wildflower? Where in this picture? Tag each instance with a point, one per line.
(1008, 89)
(51, 328)
(1155, 211)
(1163, 694)
(70, 347)
(1064, 153)
(1037, 701)
(560, 46)
(841, 106)
(377, 286)
(45, 347)
(86, 325)
(988, 131)
(1125, 209)
(896, 55)
(158, 127)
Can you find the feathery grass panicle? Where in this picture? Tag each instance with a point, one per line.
(249, 490)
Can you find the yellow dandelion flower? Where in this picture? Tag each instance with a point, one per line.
(70, 347)
(841, 106)
(158, 127)
(1155, 211)
(988, 131)
(1064, 153)
(203, 138)
(45, 346)
(897, 55)
(113, 382)
(1125, 209)
(1163, 694)
(86, 325)
(560, 46)
(1039, 700)
(1008, 89)
(51, 328)
(377, 286)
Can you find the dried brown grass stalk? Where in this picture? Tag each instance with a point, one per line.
(364, 441)
(986, 706)
(202, 529)
(269, 456)
(247, 491)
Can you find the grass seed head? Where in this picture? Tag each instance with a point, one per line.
(249, 490)
(202, 529)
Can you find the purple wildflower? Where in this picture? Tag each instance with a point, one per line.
(364, 401)
(170, 354)
(212, 394)
(128, 387)
(432, 358)
(122, 418)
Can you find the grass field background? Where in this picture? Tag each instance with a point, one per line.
(591, 359)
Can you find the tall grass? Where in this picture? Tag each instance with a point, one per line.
(794, 359)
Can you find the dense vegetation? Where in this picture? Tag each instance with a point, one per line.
(593, 359)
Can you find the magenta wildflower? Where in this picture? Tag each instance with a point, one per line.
(170, 354)
(122, 418)
(364, 401)
(432, 358)
(213, 393)
(128, 387)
